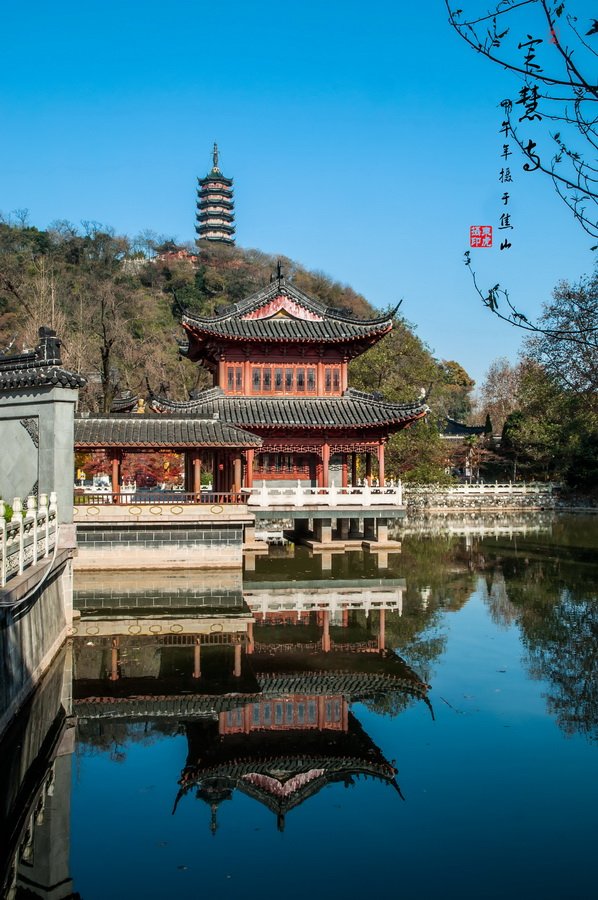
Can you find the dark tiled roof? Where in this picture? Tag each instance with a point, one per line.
(336, 325)
(125, 403)
(451, 428)
(285, 330)
(159, 431)
(296, 412)
(38, 368)
(44, 376)
(98, 706)
(215, 175)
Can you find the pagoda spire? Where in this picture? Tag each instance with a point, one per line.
(215, 219)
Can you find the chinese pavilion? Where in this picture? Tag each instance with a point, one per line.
(279, 362)
(215, 206)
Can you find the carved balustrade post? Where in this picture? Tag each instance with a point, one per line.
(31, 516)
(17, 518)
(2, 545)
(43, 511)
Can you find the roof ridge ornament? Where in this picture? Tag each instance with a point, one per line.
(215, 157)
(279, 274)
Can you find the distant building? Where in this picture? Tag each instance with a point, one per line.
(170, 256)
(464, 443)
(215, 206)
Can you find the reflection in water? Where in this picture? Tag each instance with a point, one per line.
(545, 582)
(260, 681)
(306, 676)
(550, 590)
(35, 792)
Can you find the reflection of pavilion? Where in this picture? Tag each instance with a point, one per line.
(280, 753)
(324, 611)
(263, 685)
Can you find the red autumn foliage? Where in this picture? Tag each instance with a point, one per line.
(145, 469)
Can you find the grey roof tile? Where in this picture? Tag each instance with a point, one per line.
(38, 368)
(335, 325)
(292, 412)
(159, 431)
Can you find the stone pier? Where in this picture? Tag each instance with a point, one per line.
(334, 531)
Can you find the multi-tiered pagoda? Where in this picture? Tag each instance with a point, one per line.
(215, 206)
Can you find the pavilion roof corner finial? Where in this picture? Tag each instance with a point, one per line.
(215, 155)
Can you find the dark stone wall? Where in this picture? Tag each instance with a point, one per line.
(31, 632)
(101, 537)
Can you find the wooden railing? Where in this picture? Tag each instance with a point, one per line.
(30, 535)
(158, 498)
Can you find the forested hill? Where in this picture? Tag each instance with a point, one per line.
(115, 303)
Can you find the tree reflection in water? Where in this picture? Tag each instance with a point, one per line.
(549, 588)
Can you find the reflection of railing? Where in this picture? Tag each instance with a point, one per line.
(269, 599)
(359, 497)
(152, 498)
(368, 646)
(28, 538)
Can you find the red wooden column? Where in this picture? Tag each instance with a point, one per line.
(344, 375)
(382, 630)
(114, 660)
(116, 458)
(320, 378)
(345, 709)
(249, 456)
(345, 471)
(381, 464)
(237, 669)
(326, 631)
(353, 469)
(325, 463)
(196, 472)
(197, 658)
(237, 472)
(321, 713)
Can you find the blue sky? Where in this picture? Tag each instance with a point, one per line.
(363, 140)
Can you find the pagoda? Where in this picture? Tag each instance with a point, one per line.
(215, 206)
(279, 362)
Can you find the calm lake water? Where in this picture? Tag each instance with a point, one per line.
(328, 727)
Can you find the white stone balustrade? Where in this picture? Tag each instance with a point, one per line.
(28, 537)
(484, 489)
(364, 496)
